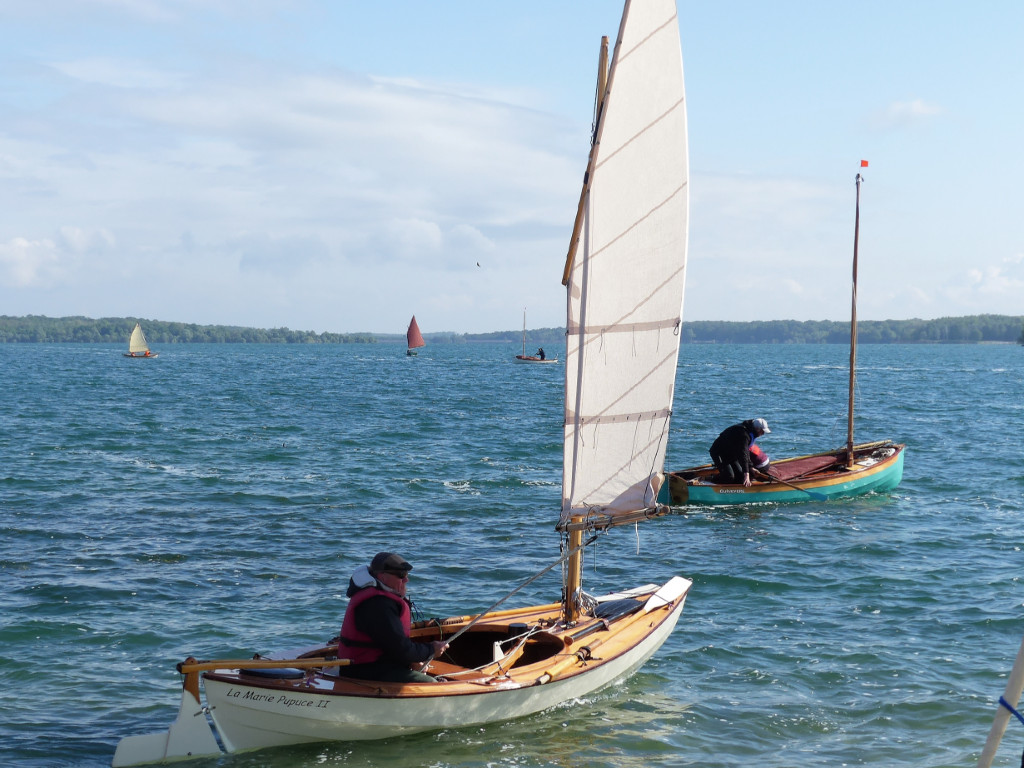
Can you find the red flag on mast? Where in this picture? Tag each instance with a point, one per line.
(863, 163)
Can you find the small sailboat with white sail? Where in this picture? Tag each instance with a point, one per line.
(413, 338)
(137, 344)
(624, 313)
(539, 356)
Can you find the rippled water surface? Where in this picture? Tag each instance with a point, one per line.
(213, 502)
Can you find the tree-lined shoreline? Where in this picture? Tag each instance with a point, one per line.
(972, 329)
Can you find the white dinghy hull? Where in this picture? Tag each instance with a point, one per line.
(276, 719)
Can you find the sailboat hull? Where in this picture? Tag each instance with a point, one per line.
(878, 468)
(534, 359)
(555, 664)
(345, 711)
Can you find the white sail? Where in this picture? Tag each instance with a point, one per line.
(137, 343)
(625, 289)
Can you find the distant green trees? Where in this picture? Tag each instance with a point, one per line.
(115, 330)
(538, 337)
(954, 330)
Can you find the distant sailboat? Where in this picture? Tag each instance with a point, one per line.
(414, 337)
(137, 346)
(540, 357)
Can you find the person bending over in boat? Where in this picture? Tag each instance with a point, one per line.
(731, 450)
(540, 353)
(375, 631)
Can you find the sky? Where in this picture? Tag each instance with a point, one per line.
(342, 165)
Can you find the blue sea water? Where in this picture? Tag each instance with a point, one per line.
(213, 501)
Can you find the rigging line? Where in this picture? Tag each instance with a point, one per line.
(1013, 711)
(529, 581)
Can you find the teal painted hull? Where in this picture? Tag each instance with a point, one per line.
(872, 475)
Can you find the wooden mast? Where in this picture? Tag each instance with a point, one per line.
(853, 332)
(602, 84)
(574, 568)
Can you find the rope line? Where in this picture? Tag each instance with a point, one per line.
(1013, 711)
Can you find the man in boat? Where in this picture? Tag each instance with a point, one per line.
(540, 353)
(375, 631)
(731, 451)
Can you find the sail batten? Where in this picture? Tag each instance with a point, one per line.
(616, 418)
(626, 283)
(666, 114)
(651, 325)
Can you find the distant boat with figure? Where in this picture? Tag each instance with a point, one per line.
(851, 470)
(539, 357)
(137, 346)
(414, 337)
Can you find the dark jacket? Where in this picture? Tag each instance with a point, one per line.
(733, 446)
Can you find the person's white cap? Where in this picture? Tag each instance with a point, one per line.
(762, 425)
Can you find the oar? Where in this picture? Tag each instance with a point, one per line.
(812, 494)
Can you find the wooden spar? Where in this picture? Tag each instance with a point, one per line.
(602, 85)
(574, 569)
(191, 668)
(574, 573)
(853, 332)
(1011, 696)
(190, 665)
(491, 615)
(579, 523)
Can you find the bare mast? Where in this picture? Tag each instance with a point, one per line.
(853, 329)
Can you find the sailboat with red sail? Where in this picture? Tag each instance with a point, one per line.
(414, 337)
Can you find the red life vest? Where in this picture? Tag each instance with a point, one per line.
(758, 458)
(358, 646)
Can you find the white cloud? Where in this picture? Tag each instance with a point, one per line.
(25, 263)
(901, 114)
(119, 73)
(261, 252)
(1005, 279)
(467, 239)
(412, 238)
(78, 240)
